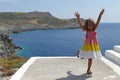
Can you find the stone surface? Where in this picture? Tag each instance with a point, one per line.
(68, 69)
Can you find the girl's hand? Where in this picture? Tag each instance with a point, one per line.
(79, 20)
(77, 14)
(102, 11)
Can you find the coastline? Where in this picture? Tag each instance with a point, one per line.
(17, 22)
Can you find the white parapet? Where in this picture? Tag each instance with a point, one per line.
(115, 67)
(113, 56)
(117, 48)
(18, 75)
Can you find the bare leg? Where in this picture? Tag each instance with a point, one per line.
(78, 54)
(89, 66)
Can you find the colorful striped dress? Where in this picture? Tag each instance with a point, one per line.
(90, 47)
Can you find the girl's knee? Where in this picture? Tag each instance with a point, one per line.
(90, 59)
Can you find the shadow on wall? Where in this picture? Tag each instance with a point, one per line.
(75, 77)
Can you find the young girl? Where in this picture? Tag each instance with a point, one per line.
(90, 48)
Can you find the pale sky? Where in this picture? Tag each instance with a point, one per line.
(66, 8)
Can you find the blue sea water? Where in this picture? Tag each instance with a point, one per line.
(63, 42)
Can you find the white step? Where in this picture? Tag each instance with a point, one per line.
(117, 48)
(113, 56)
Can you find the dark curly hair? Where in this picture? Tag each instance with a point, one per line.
(86, 23)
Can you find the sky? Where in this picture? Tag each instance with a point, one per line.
(66, 8)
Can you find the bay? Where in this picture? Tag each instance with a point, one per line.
(63, 42)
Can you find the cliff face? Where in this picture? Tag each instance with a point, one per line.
(23, 21)
(7, 47)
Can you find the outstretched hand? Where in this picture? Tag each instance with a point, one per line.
(77, 14)
(79, 20)
(99, 18)
(102, 11)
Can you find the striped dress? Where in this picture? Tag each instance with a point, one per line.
(90, 48)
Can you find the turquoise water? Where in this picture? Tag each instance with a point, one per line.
(63, 42)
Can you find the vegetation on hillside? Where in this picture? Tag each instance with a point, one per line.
(22, 21)
(11, 64)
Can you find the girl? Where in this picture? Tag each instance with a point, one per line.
(90, 48)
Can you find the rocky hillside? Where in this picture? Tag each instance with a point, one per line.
(25, 21)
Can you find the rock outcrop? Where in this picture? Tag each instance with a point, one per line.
(7, 47)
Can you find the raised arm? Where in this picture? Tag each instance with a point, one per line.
(99, 18)
(79, 20)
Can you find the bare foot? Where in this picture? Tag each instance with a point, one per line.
(89, 72)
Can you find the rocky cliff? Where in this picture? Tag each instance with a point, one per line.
(7, 47)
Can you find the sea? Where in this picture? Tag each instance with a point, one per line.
(63, 42)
